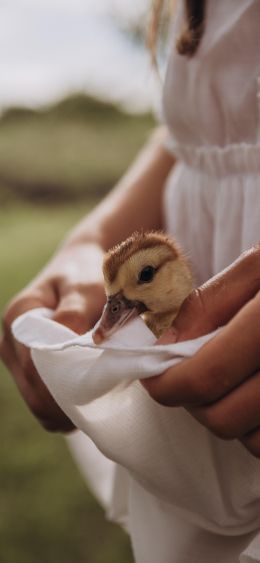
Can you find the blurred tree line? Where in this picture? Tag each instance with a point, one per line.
(75, 148)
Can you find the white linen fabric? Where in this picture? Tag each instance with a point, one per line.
(155, 476)
(184, 495)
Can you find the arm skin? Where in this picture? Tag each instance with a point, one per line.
(72, 283)
(220, 385)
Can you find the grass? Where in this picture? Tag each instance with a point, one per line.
(28, 236)
(46, 512)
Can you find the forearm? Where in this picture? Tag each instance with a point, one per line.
(135, 203)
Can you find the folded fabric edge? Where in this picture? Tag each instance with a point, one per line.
(22, 331)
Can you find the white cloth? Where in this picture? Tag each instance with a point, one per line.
(98, 388)
(187, 496)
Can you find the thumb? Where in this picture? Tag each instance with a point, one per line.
(214, 303)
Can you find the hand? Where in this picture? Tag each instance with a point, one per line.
(72, 286)
(220, 385)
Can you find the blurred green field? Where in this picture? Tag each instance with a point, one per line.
(46, 512)
(54, 165)
(76, 148)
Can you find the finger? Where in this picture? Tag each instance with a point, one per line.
(219, 366)
(236, 414)
(79, 311)
(33, 390)
(42, 296)
(18, 360)
(217, 301)
(10, 349)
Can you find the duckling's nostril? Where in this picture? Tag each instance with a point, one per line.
(115, 308)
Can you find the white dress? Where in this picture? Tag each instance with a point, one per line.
(184, 495)
(212, 206)
(212, 108)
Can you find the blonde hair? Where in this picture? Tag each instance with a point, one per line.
(191, 34)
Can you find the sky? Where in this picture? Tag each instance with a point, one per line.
(50, 48)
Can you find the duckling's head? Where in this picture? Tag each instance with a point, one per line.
(145, 273)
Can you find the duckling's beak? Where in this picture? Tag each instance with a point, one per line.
(117, 311)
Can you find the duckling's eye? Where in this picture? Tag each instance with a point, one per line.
(146, 275)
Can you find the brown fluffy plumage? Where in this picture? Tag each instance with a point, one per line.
(146, 274)
(117, 255)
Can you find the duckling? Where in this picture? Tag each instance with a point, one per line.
(145, 275)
